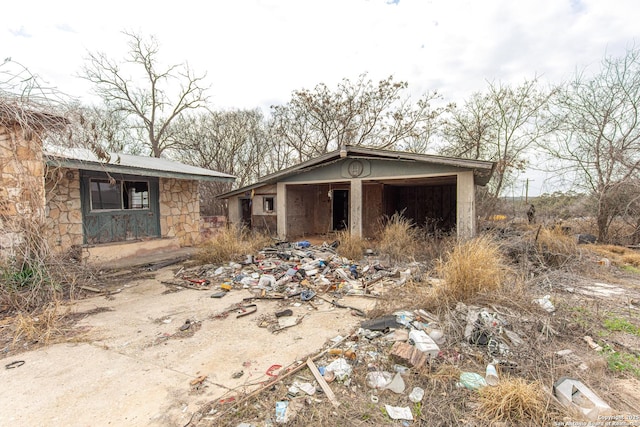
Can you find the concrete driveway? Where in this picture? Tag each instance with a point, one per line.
(134, 366)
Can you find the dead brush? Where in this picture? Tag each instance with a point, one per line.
(399, 238)
(351, 247)
(41, 326)
(411, 295)
(618, 255)
(514, 400)
(229, 244)
(554, 247)
(471, 267)
(445, 374)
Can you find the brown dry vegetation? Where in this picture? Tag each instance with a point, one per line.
(351, 247)
(502, 271)
(231, 244)
(399, 239)
(499, 271)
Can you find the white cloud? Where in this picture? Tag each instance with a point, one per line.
(256, 52)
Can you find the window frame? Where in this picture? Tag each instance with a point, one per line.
(121, 184)
(265, 201)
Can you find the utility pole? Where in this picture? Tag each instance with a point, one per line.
(526, 193)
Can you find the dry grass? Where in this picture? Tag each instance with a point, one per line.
(41, 326)
(412, 295)
(618, 255)
(446, 374)
(231, 244)
(471, 267)
(399, 239)
(351, 247)
(514, 400)
(554, 247)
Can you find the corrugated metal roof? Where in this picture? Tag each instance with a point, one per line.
(85, 159)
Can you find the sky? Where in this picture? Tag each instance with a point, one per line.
(255, 53)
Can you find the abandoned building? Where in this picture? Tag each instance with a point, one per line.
(102, 208)
(355, 188)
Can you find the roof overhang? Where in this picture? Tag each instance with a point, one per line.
(482, 169)
(84, 159)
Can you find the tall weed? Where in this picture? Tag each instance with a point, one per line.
(471, 267)
(399, 238)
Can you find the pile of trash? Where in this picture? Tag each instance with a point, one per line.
(381, 357)
(383, 351)
(297, 269)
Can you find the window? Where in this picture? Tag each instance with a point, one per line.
(115, 194)
(136, 194)
(269, 204)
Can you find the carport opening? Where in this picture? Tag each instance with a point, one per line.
(430, 205)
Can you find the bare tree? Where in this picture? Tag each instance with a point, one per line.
(151, 99)
(599, 138)
(500, 125)
(97, 128)
(232, 142)
(355, 113)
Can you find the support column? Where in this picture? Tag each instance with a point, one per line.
(355, 207)
(281, 210)
(466, 205)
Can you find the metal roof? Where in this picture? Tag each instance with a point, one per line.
(85, 159)
(482, 169)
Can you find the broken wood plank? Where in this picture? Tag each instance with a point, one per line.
(323, 384)
(290, 371)
(409, 354)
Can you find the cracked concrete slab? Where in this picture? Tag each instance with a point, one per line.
(133, 366)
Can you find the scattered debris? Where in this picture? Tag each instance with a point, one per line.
(14, 364)
(595, 346)
(198, 380)
(491, 375)
(471, 380)
(545, 303)
(575, 395)
(323, 384)
(186, 325)
(399, 413)
(416, 394)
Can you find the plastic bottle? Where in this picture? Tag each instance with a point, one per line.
(491, 375)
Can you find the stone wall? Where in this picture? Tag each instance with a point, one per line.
(64, 209)
(22, 195)
(180, 210)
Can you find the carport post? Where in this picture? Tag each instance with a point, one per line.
(355, 211)
(466, 205)
(281, 210)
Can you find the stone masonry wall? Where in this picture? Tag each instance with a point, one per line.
(22, 195)
(180, 210)
(64, 210)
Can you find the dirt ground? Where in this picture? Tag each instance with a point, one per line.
(130, 363)
(152, 354)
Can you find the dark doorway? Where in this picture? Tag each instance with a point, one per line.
(340, 209)
(245, 212)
